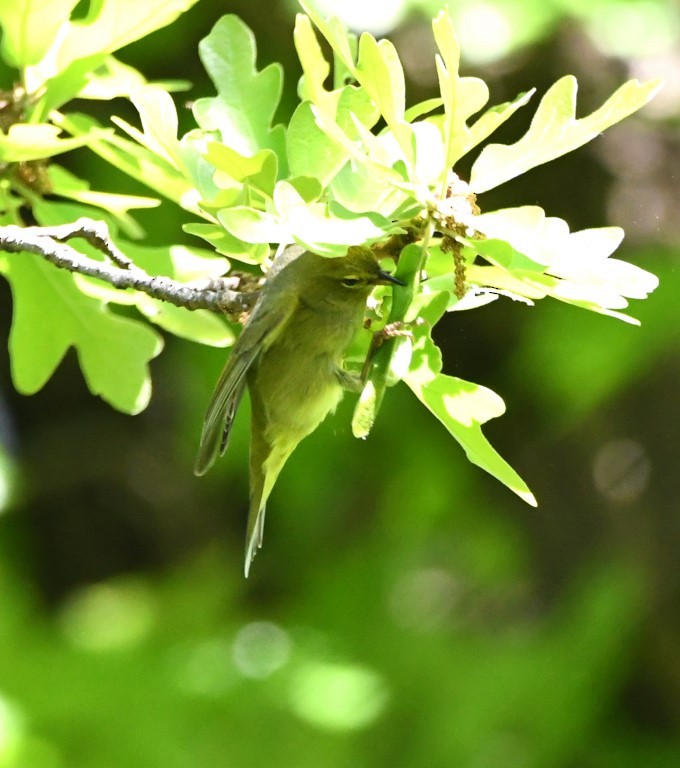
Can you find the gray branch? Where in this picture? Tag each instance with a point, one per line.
(232, 295)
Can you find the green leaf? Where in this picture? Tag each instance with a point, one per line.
(343, 73)
(380, 72)
(315, 68)
(67, 84)
(368, 150)
(359, 188)
(100, 77)
(502, 254)
(158, 114)
(200, 326)
(137, 161)
(308, 187)
(422, 108)
(335, 33)
(467, 139)
(326, 230)
(584, 277)
(429, 154)
(526, 230)
(29, 28)
(115, 79)
(554, 131)
(67, 185)
(545, 240)
(587, 260)
(244, 108)
(200, 171)
(111, 80)
(447, 62)
(108, 26)
(577, 264)
(50, 315)
(311, 152)
(180, 263)
(385, 369)
(224, 242)
(252, 226)
(259, 171)
(190, 175)
(527, 286)
(25, 141)
(176, 261)
(462, 96)
(462, 407)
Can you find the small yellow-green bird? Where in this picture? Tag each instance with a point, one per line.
(289, 354)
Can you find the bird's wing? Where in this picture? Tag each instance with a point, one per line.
(265, 323)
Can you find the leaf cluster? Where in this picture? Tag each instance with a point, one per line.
(355, 165)
(58, 59)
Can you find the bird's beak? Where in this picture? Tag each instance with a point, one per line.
(386, 277)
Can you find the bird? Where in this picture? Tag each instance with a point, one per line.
(289, 356)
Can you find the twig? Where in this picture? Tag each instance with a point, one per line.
(95, 232)
(232, 295)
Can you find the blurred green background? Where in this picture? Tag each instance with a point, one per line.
(406, 609)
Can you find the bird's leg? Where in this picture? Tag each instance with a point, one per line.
(390, 331)
(349, 381)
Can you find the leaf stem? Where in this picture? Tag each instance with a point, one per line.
(377, 370)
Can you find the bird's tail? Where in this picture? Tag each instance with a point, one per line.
(266, 462)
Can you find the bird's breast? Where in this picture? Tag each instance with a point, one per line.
(294, 384)
(293, 396)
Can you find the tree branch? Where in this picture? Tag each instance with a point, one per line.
(232, 295)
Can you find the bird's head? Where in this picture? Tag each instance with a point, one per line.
(346, 279)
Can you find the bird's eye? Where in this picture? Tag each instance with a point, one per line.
(350, 282)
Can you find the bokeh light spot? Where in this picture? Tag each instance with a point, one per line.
(260, 649)
(207, 669)
(485, 32)
(377, 18)
(423, 600)
(337, 697)
(108, 617)
(634, 29)
(6, 481)
(666, 65)
(621, 470)
(11, 732)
